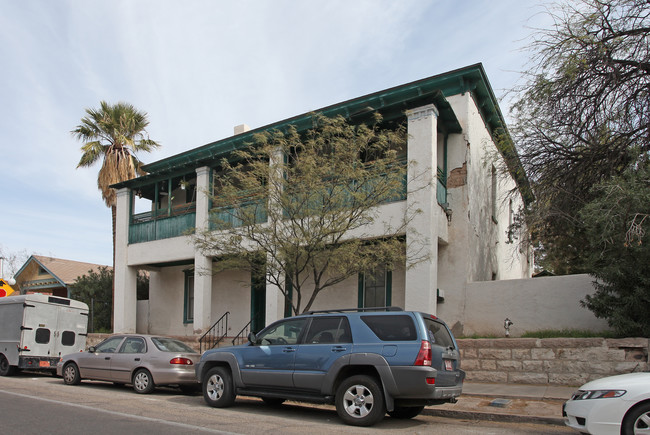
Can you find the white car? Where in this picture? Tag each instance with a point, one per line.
(613, 405)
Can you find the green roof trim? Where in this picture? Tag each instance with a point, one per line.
(391, 103)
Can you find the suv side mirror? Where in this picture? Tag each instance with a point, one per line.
(252, 338)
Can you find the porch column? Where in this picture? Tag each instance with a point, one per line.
(274, 297)
(422, 231)
(202, 263)
(274, 303)
(125, 278)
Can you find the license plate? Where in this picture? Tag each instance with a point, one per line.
(449, 365)
(43, 363)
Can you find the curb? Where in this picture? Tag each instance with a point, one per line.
(507, 418)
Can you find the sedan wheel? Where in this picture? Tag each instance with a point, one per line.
(143, 382)
(71, 374)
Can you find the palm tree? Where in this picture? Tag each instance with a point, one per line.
(114, 133)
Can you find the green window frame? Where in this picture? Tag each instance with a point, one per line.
(288, 298)
(188, 297)
(368, 284)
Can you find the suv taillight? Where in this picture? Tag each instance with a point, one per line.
(424, 355)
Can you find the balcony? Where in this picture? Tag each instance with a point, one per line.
(249, 209)
(162, 224)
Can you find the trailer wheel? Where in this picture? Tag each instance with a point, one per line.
(5, 368)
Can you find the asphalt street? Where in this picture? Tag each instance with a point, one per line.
(38, 404)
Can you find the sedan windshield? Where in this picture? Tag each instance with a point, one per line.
(171, 345)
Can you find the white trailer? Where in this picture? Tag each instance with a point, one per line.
(36, 330)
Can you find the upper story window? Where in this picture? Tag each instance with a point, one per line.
(165, 198)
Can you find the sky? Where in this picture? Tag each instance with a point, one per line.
(199, 68)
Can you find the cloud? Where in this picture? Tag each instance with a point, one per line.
(199, 68)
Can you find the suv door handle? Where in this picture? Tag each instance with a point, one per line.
(339, 349)
(289, 349)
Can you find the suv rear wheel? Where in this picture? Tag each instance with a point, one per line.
(360, 401)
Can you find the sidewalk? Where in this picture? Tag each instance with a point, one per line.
(507, 402)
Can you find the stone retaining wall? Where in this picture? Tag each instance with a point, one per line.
(554, 361)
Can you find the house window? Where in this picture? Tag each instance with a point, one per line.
(375, 288)
(188, 306)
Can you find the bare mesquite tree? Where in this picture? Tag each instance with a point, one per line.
(583, 115)
(583, 124)
(300, 205)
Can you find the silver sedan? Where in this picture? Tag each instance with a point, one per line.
(143, 361)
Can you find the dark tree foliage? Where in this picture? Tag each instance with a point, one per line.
(95, 289)
(583, 116)
(619, 252)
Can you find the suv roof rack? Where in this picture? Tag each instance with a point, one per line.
(349, 310)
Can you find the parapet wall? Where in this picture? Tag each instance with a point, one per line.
(554, 361)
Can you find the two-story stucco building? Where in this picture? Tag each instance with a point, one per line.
(453, 122)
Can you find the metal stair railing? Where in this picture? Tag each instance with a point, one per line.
(242, 335)
(215, 334)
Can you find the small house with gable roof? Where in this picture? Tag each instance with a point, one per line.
(50, 276)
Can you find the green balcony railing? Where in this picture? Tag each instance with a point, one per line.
(162, 224)
(441, 190)
(233, 217)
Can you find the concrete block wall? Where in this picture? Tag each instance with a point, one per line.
(553, 361)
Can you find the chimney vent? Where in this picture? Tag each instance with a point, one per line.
(242, 128)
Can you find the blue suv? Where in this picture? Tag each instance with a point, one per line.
(365, 361)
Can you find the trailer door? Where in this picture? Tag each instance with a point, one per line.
(38, 330)
(71, 328)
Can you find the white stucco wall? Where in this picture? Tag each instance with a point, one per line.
(166, 291)
(489, 254)
(231, 291)
(476, 248)
(532, 304)
(142, 323)
(346, 293)
(160, 251)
